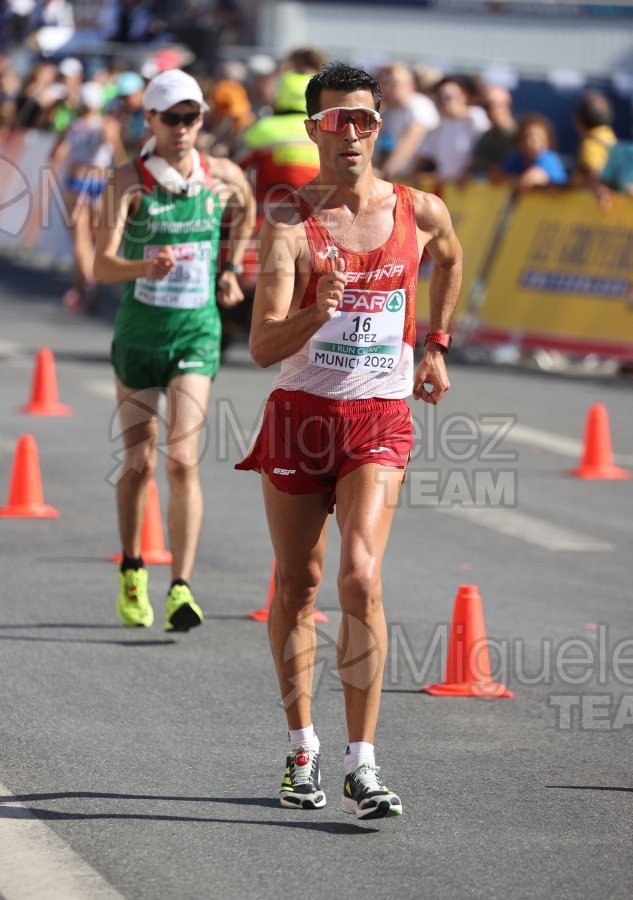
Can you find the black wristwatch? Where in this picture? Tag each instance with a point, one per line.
(236, 268)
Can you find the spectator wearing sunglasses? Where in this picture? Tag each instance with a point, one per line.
(335, 305)
(163, 211)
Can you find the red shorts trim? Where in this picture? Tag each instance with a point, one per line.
(306, 443)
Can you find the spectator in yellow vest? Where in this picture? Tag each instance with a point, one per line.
(592, 117)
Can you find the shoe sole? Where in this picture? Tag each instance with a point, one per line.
(184, 618)
(297, 801)
(384, 809)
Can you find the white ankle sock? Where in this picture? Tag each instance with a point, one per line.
(358, 752)
(304, 736)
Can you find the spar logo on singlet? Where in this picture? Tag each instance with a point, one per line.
(372, 301)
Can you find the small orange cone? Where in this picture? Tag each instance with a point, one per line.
(152, 540)
(44, 400)
(468, 663)
(261, 615)
(26, 498)
(597, 458)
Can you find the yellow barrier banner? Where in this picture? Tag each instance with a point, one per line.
(562, 276)
(476, 211)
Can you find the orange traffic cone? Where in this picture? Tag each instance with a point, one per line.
(597, 458)
(468, 663)
(152, 540)
(26, 499)
(261, 615)
(44, 400)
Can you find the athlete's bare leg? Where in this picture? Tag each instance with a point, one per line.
(365, 503)
(139, 426)
(298, 530)
(187, 402)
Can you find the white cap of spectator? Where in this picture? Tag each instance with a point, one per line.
(170, 88)
(70, 67)
(149, 69)
(91, 95)
(260, 65)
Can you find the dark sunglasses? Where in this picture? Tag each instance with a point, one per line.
(336, 120)
(171, 119)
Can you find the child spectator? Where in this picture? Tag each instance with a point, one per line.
(534, 162)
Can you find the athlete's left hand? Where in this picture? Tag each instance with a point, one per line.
(431, 373)
(229, 291)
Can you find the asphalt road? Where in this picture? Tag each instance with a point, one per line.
(145, 765)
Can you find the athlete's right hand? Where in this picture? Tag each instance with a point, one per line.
(330, 289)
(160, 265)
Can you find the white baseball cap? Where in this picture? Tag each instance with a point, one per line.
(70, 67)
(172, 87)
(91, 95)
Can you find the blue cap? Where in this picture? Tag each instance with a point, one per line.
(129, 83)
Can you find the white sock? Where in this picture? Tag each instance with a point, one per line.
(305, 736)
(358, 752)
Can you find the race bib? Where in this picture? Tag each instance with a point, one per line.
(365, 333)
(186, 286)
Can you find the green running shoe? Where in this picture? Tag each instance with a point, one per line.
(133, 606)
(301, 787)
(366, 797)
(181, 610)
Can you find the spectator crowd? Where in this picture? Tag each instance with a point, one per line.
(436, 127)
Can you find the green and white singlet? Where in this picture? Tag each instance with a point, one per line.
(171, 316)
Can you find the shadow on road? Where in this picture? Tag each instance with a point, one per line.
(587, 787)
(21, 812)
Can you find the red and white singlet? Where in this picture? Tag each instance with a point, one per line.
(366, 349)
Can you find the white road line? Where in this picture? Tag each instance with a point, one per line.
(7, 445)
(10, 348)
(545, 440)
(35, 863)
(100, 387)
(530, 529)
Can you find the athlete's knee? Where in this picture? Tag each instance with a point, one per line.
(359, 588)
(181, 466)
(141, 461)
(297, 590)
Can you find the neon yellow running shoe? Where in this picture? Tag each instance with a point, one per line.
(133, 606)
(181, 610)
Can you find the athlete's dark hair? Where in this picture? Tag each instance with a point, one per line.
(339, 77)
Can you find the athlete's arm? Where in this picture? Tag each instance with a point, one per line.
(241, 203)
(60, 148)
(119, 199)
(434, 221)
(111, 130)
(278, 330)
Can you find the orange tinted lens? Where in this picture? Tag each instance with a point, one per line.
(337, 120)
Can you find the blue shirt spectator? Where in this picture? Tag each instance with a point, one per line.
(535, 163)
